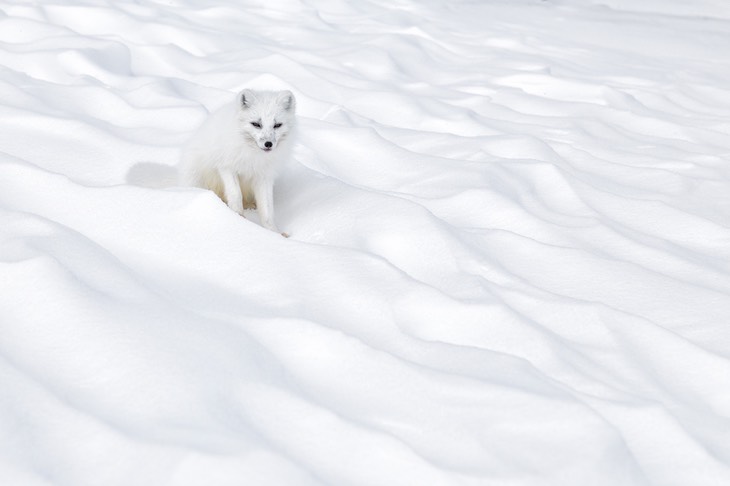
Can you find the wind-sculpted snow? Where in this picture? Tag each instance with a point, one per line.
(509, 261)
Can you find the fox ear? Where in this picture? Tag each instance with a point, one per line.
(287, 100)
(245, 98)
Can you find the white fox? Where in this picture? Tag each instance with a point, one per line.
(238, 151)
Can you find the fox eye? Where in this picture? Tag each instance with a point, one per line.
(278, 125)
(256, 124)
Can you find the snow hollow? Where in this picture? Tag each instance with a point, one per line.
(509, 261)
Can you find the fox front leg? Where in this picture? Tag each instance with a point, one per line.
(232, 190)
(264, 194)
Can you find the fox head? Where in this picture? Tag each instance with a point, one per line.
(266, 118)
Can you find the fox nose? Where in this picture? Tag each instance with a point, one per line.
(268, 144)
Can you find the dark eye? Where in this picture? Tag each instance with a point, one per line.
(278, 125)
(256, 124)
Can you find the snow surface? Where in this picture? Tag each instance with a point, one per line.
(509, 263)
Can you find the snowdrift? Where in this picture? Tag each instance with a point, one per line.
(509, 262)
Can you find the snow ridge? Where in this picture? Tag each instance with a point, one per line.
(509, 258)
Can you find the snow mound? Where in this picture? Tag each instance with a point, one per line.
(508, 266)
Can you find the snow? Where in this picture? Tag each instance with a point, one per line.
(509, 261)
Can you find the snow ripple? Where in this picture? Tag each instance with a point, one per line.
(508, 264)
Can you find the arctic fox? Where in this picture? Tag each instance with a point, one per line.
(239, 150)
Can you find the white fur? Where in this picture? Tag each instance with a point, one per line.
(228, 153)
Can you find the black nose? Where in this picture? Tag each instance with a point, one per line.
(268, 144)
